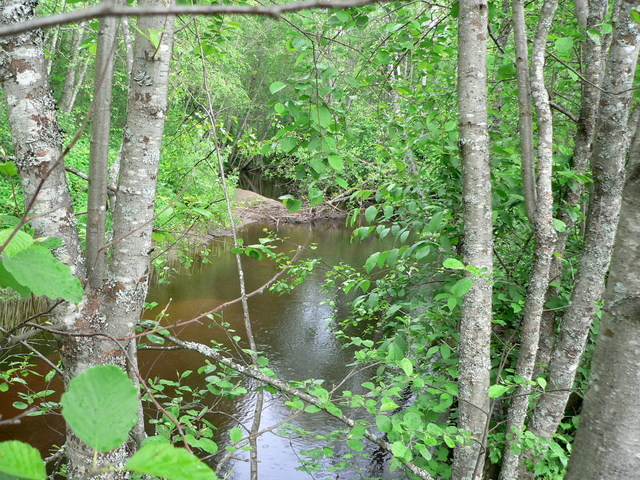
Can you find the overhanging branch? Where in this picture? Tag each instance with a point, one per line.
(106, 10)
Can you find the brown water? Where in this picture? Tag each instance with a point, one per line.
(292, 330)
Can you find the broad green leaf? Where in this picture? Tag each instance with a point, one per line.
(287, 144)
(235, 434)
(101, 406)
(355, 444)
(291, 203)
(559, 225)
(8, 168)
(564, 44)
(462, 286)
(20, 241)
(323, 116)
(318, 165)
(496, 391)
(166, 461)
(8, 281)
(400, 450)
(371, 261)
(407, 366)
(336, 162)
(453, 264)
(342, 182)
(53, 279)
(384, 423)
(635, 16)
(205, 444)
(316, 196)
(388, 404)
(276, 87)
(19, 460)
(370, 213)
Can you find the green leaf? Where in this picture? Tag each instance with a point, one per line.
(453, 264)
(8, 281)
(407, 366)
(8, 168)
(166, 461)
(371, 261)
(205, 444)
(54, 279)
(19, 460)
(496, 391)
(635, 16)
(336, 162)
(291, 203)
(101, 406)
(276, 87)
(370, 213)
(400, 450)
(235, 434)
(316, 196)
(287, 144)
(388, 404)
(564, 44)
(559, 225)
(155, 36)
(355, 444)
(20, 241)
(342, 182)
(462, 286)
(384, 423)
(323, 116)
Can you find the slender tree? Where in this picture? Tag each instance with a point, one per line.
(608, 163)
(608, 439)
(475, 323)
(114, 300)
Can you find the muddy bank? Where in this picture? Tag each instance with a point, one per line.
(252, 207)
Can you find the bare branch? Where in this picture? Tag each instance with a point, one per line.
(103, 10)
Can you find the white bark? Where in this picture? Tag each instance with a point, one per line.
(36, 134)
(545, 241)
(608, 159)
(475, 323)
(608, 439)
(99, 153)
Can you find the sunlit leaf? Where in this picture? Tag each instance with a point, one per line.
(101, 406)
(19, 461)
(166, 461)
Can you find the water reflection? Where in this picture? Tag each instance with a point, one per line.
(291, 330)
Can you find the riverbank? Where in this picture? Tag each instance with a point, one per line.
(251, 207)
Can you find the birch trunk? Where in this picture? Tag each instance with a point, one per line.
(72, 69)
(99, 152)
(525, 125)
(36, 134)
(475, 323)
(608, 439)
(608, 159)
(592, 58)
(545, 240)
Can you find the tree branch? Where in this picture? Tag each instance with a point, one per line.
(103, 10)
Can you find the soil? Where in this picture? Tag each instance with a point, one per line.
(252, 207)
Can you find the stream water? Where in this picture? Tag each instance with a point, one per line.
(292, 330)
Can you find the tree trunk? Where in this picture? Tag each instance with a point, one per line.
(608, 159)
(525, 124)
(608, 439)
(99, 153)
(475, 323)
(36, 134)
(592, 58)
(545, 241)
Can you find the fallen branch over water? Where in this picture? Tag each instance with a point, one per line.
(284, 387)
